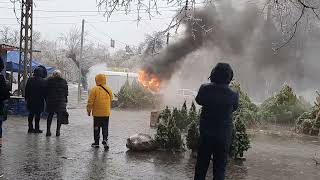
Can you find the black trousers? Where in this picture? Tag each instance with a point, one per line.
(211, 147)
(100, 123)
(36, 116)
(49, 121)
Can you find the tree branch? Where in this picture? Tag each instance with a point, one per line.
(295, 26)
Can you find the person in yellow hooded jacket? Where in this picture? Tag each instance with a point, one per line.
(99, 105)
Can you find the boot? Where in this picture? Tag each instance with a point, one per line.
(38, 131)
(31, 130)
(95, 145)
(58, 133)
(37, 126)
(58, 130)
(105, 144)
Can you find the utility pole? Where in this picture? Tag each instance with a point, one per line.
(80, 74)
(25, 57)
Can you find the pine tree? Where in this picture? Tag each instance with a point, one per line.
(165, 115)
(182, 124)
(161, 137)
(240, 140)
(176, 114)
(193, 136)
(124, 95)
(175, 141)
(193, 115)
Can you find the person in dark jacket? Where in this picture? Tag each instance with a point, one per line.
(218, 103)
(35, 97)
(4, 95)
(44, 72)
(57, 99)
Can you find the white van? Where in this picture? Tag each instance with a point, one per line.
(117, 79)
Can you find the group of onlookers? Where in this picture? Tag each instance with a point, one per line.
(46, 95)
(49, 96)
(42, 94)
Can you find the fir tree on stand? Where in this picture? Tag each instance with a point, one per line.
(176, 114)
(168, 136)
(165, 115)
(193, 115)
(184, 119)
(174, 136)
(161, 137)
(193, 136)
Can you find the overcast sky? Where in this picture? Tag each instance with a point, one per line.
(53, 17)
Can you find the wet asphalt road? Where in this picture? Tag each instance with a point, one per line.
(34, 156)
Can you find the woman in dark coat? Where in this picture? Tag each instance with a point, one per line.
(56, 98)
(35, 97)
(218, 103)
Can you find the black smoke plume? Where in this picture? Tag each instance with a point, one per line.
(246, 38)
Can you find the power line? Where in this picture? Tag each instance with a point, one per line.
(94, 22)
(88, 15)
(52, 17)
(97, 11)
(94, 37)
(105, 34)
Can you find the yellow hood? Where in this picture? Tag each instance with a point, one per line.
(101, 79)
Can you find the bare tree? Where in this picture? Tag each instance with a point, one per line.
(154, 43)
(36, 38)
(5, 34)
(71, 41)
(15, 37)
(292, 14)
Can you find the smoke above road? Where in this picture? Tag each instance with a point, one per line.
(244, 38)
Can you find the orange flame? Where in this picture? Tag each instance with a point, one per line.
(149, 81)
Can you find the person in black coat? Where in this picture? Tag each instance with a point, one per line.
(35, 97)
(57, 99)
(4, 95)
(218, 103)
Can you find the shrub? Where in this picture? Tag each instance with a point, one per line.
(309, 122)
(283, 107)
(307, 125)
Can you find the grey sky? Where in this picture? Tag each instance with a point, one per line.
(120, 27)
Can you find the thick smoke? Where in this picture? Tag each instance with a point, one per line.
(208, 28)
(245, 38)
